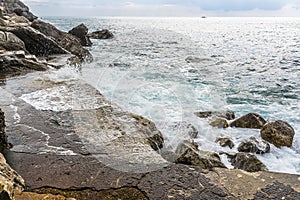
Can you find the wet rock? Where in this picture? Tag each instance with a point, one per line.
(251, 120)
(219, 123)
(254, 145)
(247, 162)
(3, 137)
(225, 142)
(10, 181)
(36, 196)
(279, 133)
(80, 32)
(16, 7)
(65, 40)
(227, 114)
(190, 155)
(103, 34)
(185, 129)
(10, 42)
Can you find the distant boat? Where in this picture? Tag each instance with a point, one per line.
(203, 16)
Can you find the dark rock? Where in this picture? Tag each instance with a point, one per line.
(219, 123)
(185, 145)
(227, 114)
(251, 120)
(80, 32)
(17, 7)
(67, 41)
(10, 42)
(103, 34)
(254, 145)
(193, 59)
(279, 133)
(3, 138)
(225, 142)
(247, 162)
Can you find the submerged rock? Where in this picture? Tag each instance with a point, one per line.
(251, 120)
(254, 145)
(103, 34)
(80, 32)
(225, 141)
(219, 123)
(247, 162)
(227, 114)
(193, 59)
(279, 133)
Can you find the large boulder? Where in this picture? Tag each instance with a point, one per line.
(16, 7)
(10, 181)
(251, 120)
(3, 138)
(227, 114)
(67, 41)
(279, 133)
(103, 34)
(247, 162)
(80, 32)
(184, 129)
(225, 142)
(254, 145)
(10, 42)
(219, 123)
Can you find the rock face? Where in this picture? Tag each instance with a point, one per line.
(17, 7)
(225, 142)
(251, 120)
(279, 133)
(103, 34)
(219, 123)
(227, 114)
(10, 181)
(247, 162)
(80, 32)
(67, 41)
(254, 145)
(3, 138)
(10, 42)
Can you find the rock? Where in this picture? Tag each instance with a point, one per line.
(10, 42)
(225, 141)
(190, 155)
(227, 114)
(17, 7)
(67, 41)
(254, 145)
(193, 59)
(36, 196)
(3, 138)
(185, 129)
(10, 181)
(37, 43)
(251, 120)
(103, 34)
(279, 133)
(80, 32)
(219, 123)
(247, 162)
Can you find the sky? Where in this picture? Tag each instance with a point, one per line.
(166, 8)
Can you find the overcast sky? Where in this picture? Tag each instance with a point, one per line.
(280, 8)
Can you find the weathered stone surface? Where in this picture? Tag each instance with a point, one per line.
(225, 142)
(3, 138)
(103, 34)
(219, 123)
(247, 162)
(80, 32)
(10, 181)
(251, 120)
(227, 114)
(185, 145)
(36, 196)
(17, 7)
(67, 41)
(279, 133)
(254, 145)
(10, 42)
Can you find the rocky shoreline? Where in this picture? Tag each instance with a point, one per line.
(89, 148)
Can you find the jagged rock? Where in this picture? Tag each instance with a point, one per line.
(254, 145)
(17, 7)
(219, 123)
(67, 41)
(37, 43)
(103, 34)
(185, 129)
(190, 155)
(3, 138)
(251, 120)
(279, 133)
(10, 181)
(247, 162)
(10, 42)
(225, 141)
(227, 114)
(80, 32)
(36, 196)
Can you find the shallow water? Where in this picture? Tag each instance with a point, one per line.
(168, 68)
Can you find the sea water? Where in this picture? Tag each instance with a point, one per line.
(168, 68)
